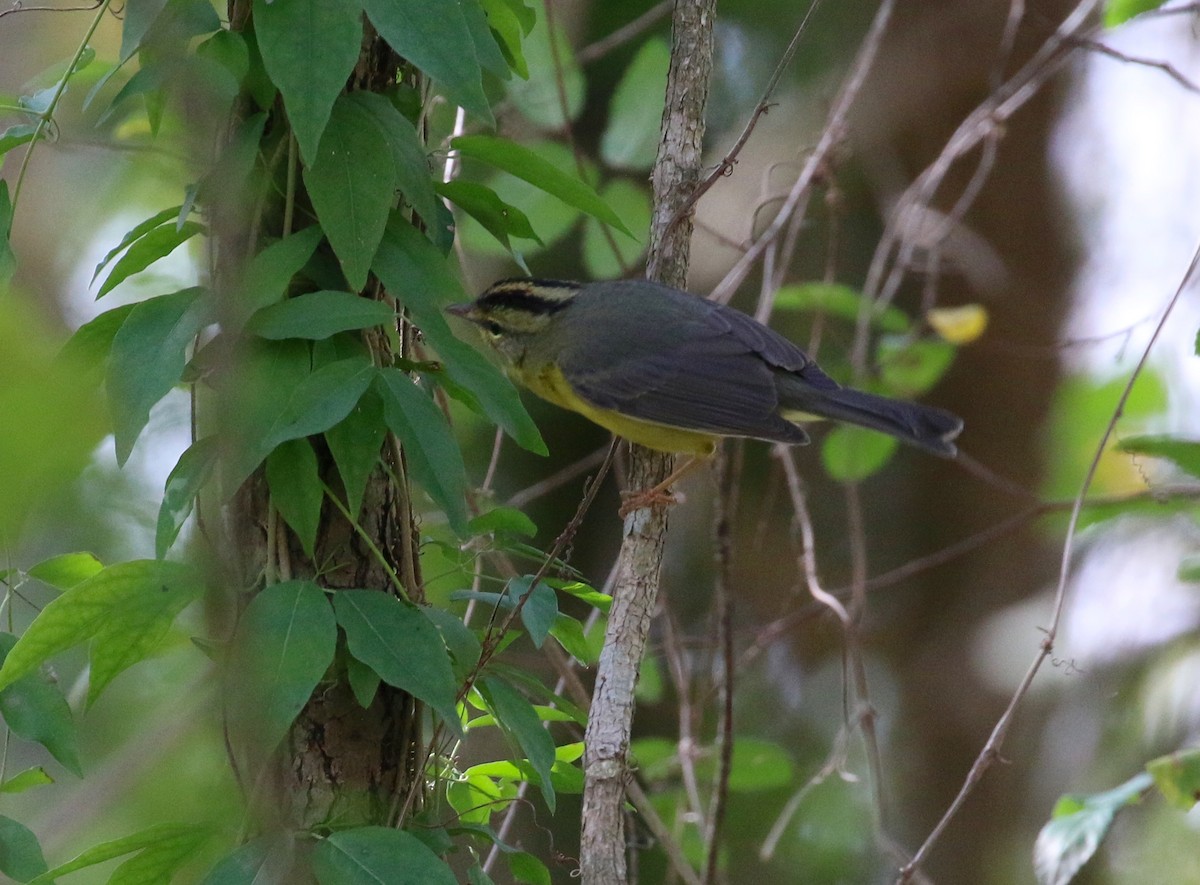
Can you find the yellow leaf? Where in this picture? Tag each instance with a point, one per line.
(959, 325)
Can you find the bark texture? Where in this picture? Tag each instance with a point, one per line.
(676, 172)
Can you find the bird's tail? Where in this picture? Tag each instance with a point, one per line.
(926, 427)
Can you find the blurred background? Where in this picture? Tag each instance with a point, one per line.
(1076, 240)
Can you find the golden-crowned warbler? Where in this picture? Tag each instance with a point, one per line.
(675, 372)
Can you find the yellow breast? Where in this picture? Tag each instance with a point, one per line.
(549, 383)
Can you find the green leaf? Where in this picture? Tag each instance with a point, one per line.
(433, 35)
(837, 300)
(555, 219)
(317, 315)
(1189, 570)
(87, 350)
(411, 268)
(506, 26)
(476, 798)
(520, 723)
(21, 856)
(270, 271)
(1184, 453)
(352, 183)
(259, 861)
(254, 403)
(569, 633)
(296, 490)
(487, 51)
(851, 454)
(432, 452)
(540, 609)
(538, 98)
(631, 202)
(525, 164)
(66, 570)
(321, 400)
(398, 642)
(1071, 837)
(409, 157)
(163, 849)
(354, 443)
(1118, 12)
(527, 868)
(53, 417)
(8, 260)
(189, 475)
(503, 520)
(26, 780)
(631, 137)
(284, 644)
(364, 681)
(758, 765)
(909, 368)
(481, 203)
(309, 47)
(139, 16)
(378, 855)
(1177, 777)
(35, 709)
(149, 352)
(460, 640)
(157, 243)
(125, 609)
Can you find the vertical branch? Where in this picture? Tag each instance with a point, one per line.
(676, 173)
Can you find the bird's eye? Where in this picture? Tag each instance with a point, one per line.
(493, 328)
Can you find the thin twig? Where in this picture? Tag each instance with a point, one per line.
(1104, 49)
(725, 167)
(624, 34)
(991, 749)
(831, 135)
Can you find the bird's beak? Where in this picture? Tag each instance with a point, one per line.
(460, 310)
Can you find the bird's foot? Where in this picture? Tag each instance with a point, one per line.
(656, 497)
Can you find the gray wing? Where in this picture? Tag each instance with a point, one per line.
(709, 369)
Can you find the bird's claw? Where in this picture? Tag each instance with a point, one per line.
(631, 501)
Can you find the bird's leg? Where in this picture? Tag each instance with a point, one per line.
(658, 495)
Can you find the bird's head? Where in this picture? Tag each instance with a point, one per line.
(512, 313)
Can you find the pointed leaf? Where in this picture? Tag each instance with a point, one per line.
(432, 452)
(309, 48)
(409, 157)
(296, 491)
(520, 161)
(271, 270)
(66, 570)
(352, 183)
(554, 73)
(377, 855)
(283, 646)
(26, 780)
(412, 269)
(321, 400)
(160, 841)
(187, 477)
(158, 243)
(520, 723)
(355, 442)
(21, 856)
(127, 608)
(35, 709)
(434, 35)
(148, 356)
(398, 642)
(318, 315)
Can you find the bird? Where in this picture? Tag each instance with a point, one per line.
(675, 372)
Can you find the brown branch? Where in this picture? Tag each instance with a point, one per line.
(676, 170)
(1166, 67)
